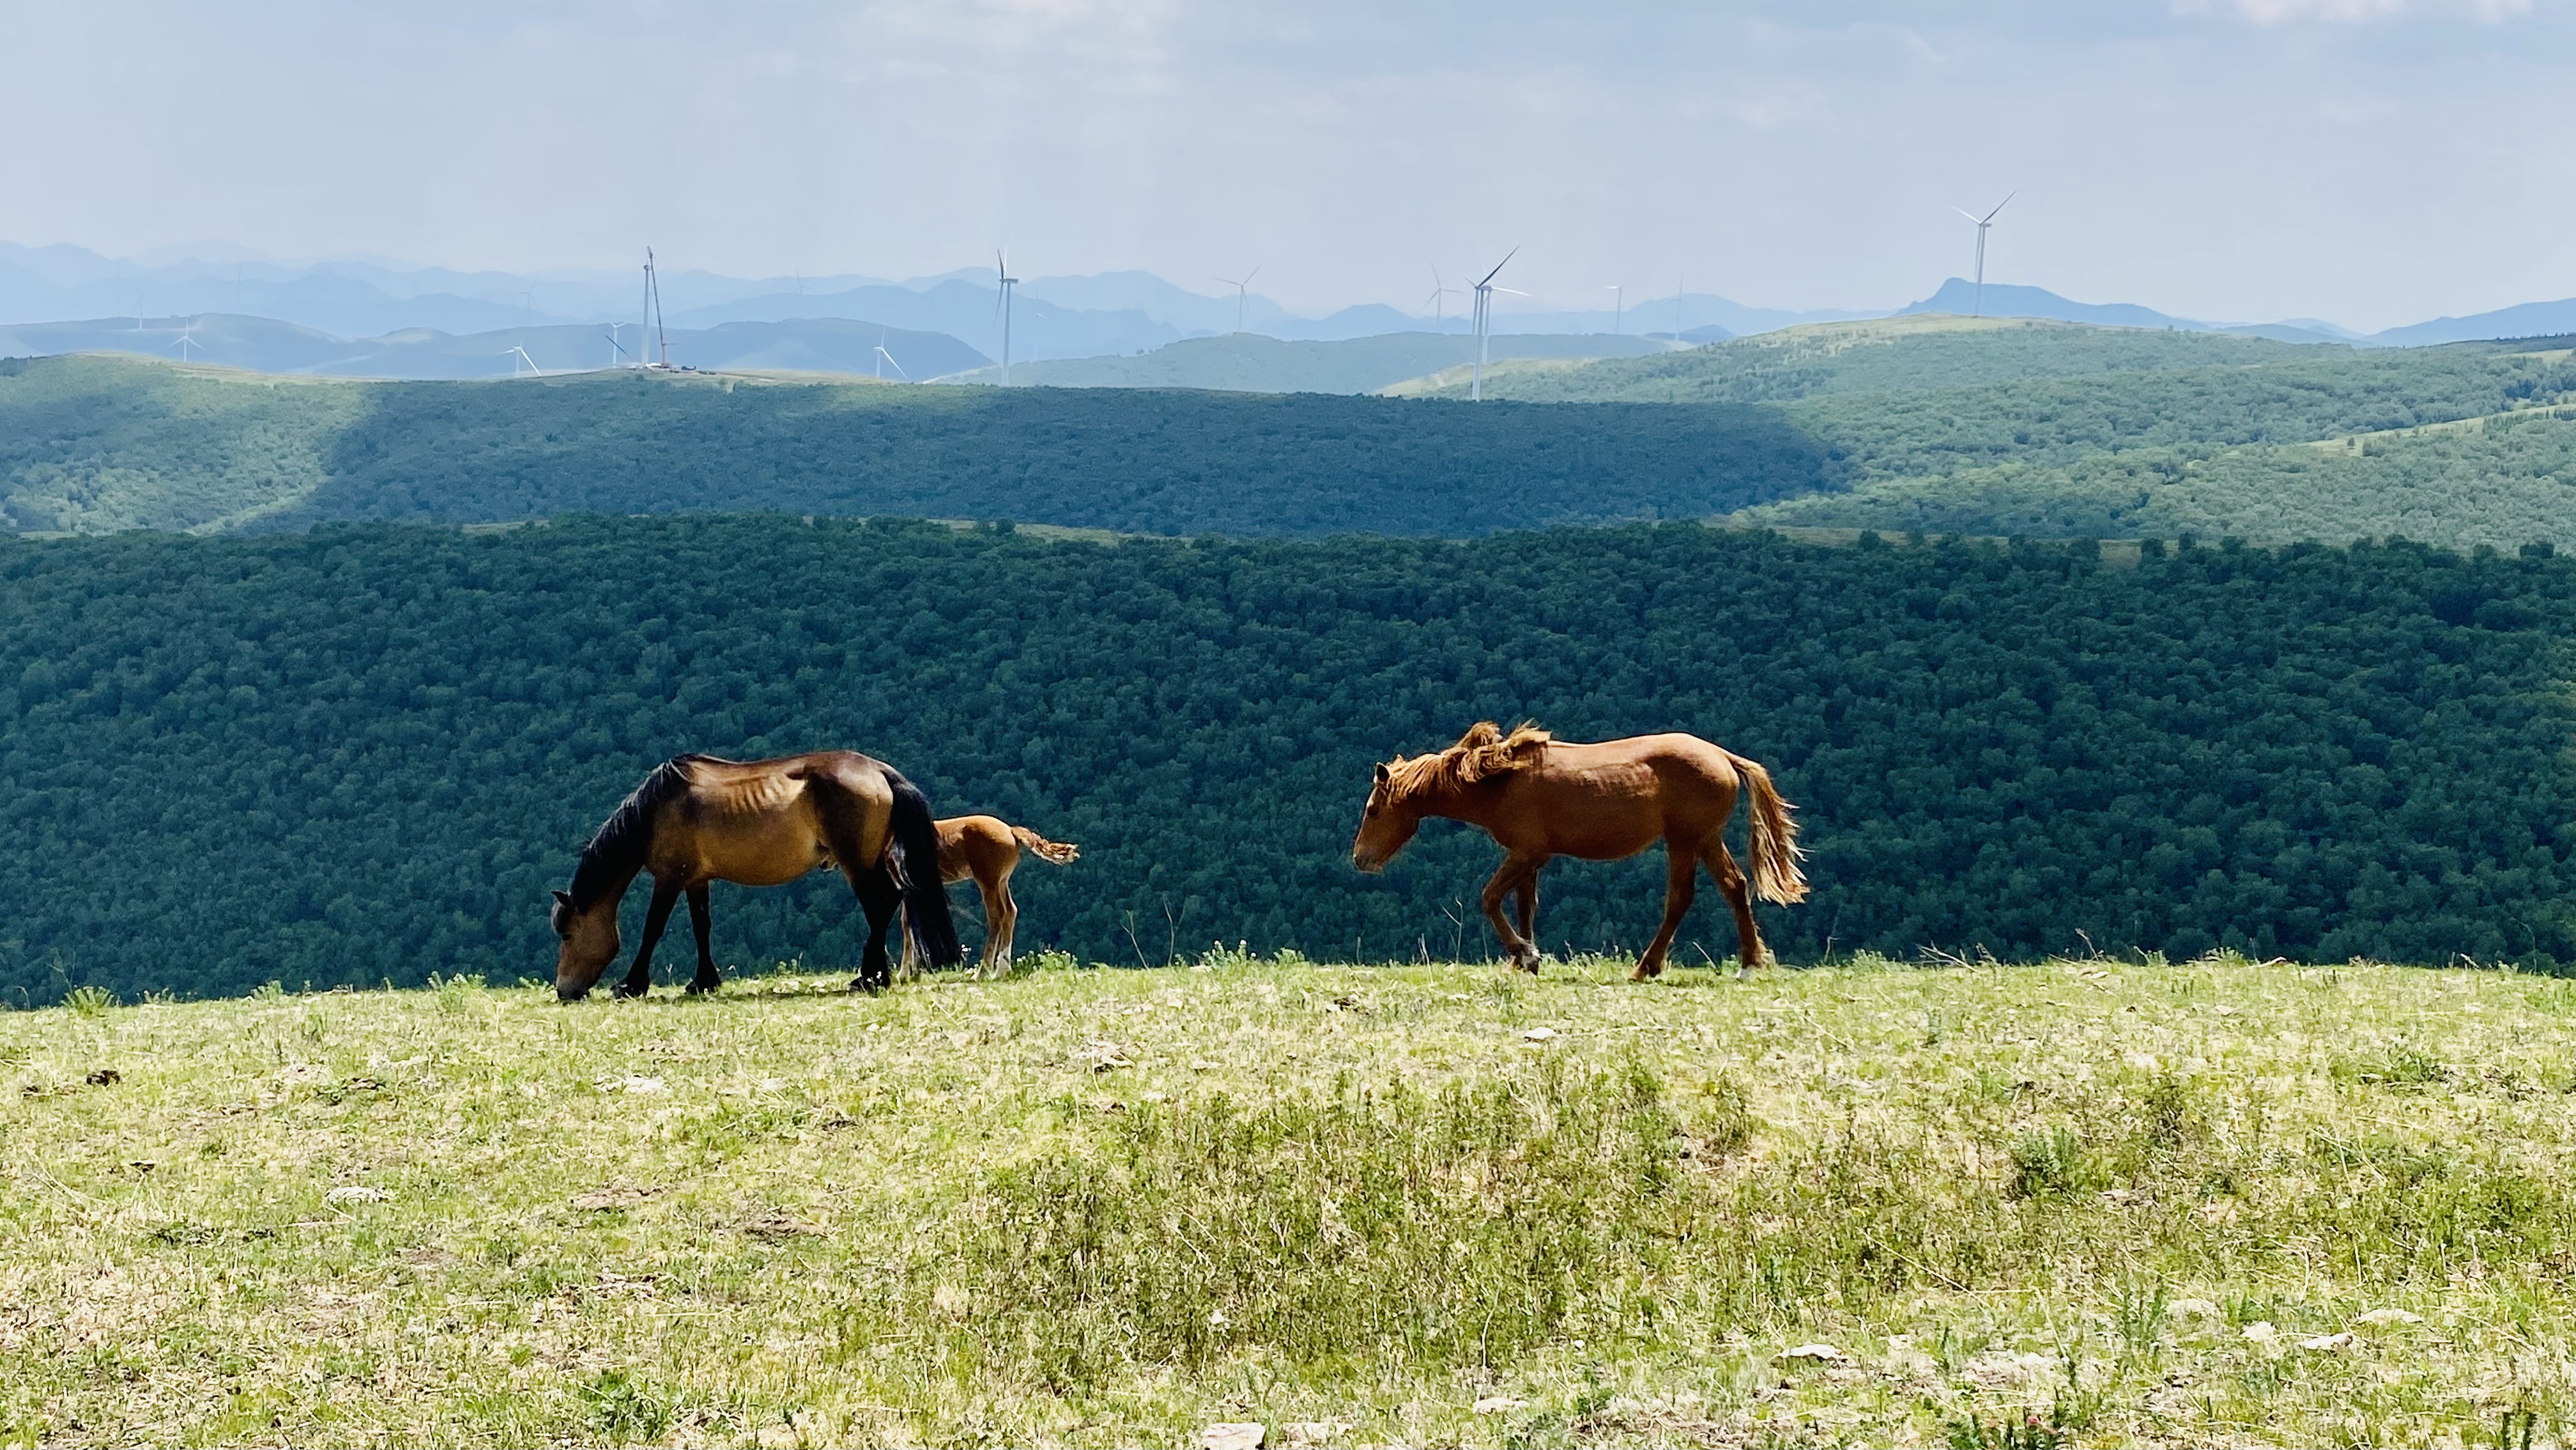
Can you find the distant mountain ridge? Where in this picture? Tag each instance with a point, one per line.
(1105, 315)
(261, 344)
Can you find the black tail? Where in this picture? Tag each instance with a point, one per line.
(912, 857)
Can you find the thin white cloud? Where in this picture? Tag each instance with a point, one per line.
(2287, 12)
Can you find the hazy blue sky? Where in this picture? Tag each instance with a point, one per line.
(2368, 161)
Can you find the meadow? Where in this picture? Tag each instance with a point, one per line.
(2079, 1202)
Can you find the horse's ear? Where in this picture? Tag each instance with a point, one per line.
(563, 898)
(1382, 776)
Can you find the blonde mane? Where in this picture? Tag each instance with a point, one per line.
(1481, 754)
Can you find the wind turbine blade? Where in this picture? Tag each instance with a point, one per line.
(1499, 266)
(1248, 276)
(1515, 291)
(1999, 206)
(1972, 216)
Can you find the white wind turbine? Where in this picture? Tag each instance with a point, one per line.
(1618, 304)
(1983, 222)
(1485, 291)
(1002, 270)
(1440, 293)
(883, 358)
(519, 358)
(1240, 295)
(187, 339)
(615, 351)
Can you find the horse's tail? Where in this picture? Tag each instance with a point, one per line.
(912, 858)
(1062, 853)
(1776, 876)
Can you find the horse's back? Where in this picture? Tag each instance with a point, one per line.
(1613, 798)
(978, 846)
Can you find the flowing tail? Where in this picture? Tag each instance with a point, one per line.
(1776, 876)
(912, 856)
(1062, 853)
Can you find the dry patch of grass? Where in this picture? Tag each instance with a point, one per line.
(1873, 1204)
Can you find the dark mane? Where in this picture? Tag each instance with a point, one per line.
(616, 853)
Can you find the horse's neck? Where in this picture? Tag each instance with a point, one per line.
(1472, 804)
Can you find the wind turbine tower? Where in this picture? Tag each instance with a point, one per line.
(1239, 296)
(1002, 270)
(884, 357)
(1485, 291)
(1440, 293)
(1618, 305)
(1983, 222)
(653, 312)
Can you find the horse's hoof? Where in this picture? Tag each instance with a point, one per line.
(1645, 973)
(703, 986)
(623, 992)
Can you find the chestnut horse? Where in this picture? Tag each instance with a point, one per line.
(1540, 798)
(697, 819)
(988, 848)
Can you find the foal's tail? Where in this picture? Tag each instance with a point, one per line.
(912, 857)
(1062, 853)
(1776, 876)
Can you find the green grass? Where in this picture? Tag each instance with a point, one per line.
(1428, 1204)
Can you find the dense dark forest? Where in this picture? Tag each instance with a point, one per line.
(367, 752)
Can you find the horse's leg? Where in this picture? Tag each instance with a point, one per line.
(879, 899)
(1001, 918)
(1514, 871)
(708, 978)
(1525, 905)
(1681, 884)
(639, 978)
(1749, 953)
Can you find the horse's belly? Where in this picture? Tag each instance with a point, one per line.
(771, 856)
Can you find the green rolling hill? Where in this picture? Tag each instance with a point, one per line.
(97, 444)
(1931, 424)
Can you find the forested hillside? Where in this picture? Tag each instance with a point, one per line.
(1893, 354)
(367, 752)
(2502, 481)
(2042, 429)
(92, 444)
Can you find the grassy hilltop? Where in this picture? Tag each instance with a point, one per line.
(2188, 1204)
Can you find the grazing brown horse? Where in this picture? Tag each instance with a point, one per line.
(988, 848)
(697, 819)
(1541, 798)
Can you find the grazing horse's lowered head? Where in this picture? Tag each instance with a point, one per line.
(587, 943)
(1407, 790)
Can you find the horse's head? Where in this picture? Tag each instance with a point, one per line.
(1387, 824)
(589, 944)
